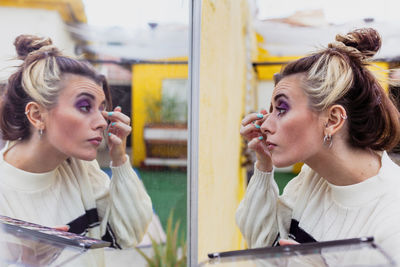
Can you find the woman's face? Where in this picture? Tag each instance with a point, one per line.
(74, 127)
(294, 133)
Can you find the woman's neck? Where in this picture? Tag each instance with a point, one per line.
(342, 165)
(35, 156)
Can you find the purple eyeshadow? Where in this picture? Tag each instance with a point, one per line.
(82, 103)
(283, 105)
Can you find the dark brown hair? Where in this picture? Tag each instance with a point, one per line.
(38, 79)
(339, 75)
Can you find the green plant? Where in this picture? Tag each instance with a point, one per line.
(153, 109)
(168, 109)
(170, 254)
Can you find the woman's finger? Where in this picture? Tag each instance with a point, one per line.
(253, 135)
(249, 131)
(116, 116)
(114, 139)
(120, 129)
(285, 242)
(252, 117)
(118, 108)
(258, 145)
(64, 228)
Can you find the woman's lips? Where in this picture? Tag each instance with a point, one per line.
(270, 145)
(95, 141)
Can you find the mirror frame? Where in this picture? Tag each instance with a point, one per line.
(193, 127)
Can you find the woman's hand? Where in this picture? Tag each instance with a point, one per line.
(250, 130)
(118, 131)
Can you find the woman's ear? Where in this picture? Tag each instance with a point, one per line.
(336, 117)
(36, 115)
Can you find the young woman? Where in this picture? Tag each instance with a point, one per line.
(328, 111)
(54, 115)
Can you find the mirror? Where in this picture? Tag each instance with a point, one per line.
(142, 47)
(242, 44)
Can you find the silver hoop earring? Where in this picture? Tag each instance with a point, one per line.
(343, 117)
(328, 138)
(40, 133)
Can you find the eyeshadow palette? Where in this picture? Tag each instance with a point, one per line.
(345, 253)
(44, 233)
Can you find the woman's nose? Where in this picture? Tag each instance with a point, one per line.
(267, 125)
(100, 122)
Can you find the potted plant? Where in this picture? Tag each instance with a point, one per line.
(172, 253)
(165, 133)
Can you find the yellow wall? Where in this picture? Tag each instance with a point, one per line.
(147, 82)
(70, 10)
(380, 69)
(267, 72)
(222, 87)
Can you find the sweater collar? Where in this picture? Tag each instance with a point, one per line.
(22, 180)
(370, 189)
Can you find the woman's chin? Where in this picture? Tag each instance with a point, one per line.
(87, 157)
(282, 164)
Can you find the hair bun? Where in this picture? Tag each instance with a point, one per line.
(25, 44)
(366, 40)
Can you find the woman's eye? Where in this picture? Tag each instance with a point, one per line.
(281, 110)
(84, 106)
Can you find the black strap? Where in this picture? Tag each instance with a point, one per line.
(298, 234)
(81, 224)
(110, 237)
(89, 220)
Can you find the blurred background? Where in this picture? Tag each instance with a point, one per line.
(142, 48)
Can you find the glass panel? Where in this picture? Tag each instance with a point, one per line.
(142, 47)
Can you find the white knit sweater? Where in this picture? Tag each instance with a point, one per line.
(80, 194)
(323, 211)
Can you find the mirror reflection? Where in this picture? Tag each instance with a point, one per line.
(94, 128)
(251, 186)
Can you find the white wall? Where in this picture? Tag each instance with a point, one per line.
(264, 94)
(16, 21)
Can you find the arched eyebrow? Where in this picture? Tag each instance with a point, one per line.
(281, 95)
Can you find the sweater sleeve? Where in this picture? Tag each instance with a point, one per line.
(124, 207)
(263, 214)
(256, 214)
